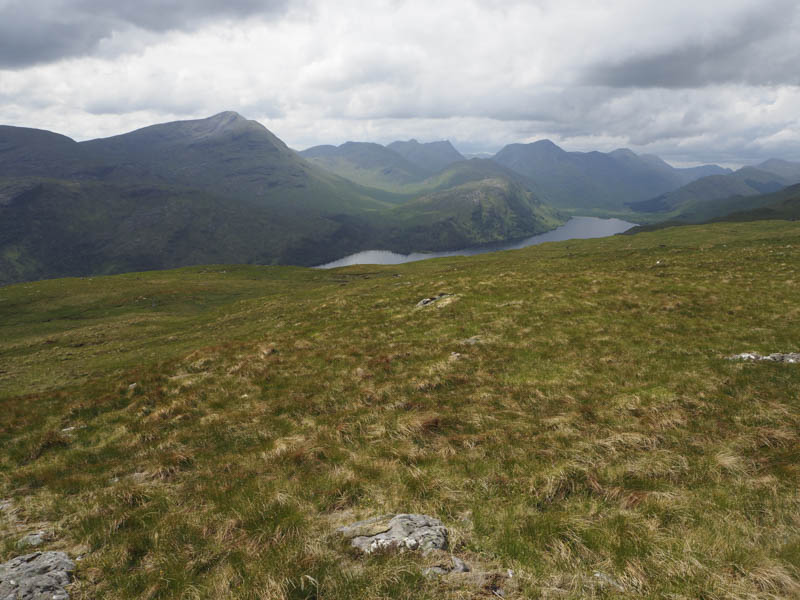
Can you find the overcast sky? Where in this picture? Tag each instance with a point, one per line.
(693, 81)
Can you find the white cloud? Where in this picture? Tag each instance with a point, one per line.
(481, 73)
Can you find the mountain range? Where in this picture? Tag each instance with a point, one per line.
(717, 195)
(596, 180)
(226, 190)
(396, 167)
(219, 190)
(585, 181)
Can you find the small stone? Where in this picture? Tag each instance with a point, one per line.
(606, 580)
(459, 566)
(32, 540)
(133, 386)
(435, 571)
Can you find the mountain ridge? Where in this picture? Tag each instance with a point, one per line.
(220, 189)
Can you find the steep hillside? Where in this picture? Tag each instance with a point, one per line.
(568, 411)
(55, 228)
(431, 156)
(472, 213)
(231, 156)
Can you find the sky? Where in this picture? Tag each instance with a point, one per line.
(692, 81)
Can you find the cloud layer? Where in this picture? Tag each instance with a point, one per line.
(693, 82)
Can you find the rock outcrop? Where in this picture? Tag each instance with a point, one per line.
(37, 576)
(432, 299)
(789, 357)
(397, 532)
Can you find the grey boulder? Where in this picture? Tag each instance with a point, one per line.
(37, 576)
(397, 532)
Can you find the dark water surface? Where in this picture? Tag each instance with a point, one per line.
(577, 228)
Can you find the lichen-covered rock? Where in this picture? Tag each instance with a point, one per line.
(37, 576)
(397, 532)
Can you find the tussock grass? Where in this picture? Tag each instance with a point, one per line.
(568, 413)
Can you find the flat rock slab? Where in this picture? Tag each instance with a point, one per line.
(790, 357)
(37, 576)
(397, 532)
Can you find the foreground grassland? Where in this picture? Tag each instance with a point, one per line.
(228, 419)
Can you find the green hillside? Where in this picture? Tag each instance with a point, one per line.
(477, 212)
(567, 411)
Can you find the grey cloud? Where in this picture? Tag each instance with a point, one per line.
(41, 31)
(762, 49)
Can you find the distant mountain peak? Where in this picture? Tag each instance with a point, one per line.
(546, 143)
(227, 116)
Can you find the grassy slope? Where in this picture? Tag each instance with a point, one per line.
(594, 427)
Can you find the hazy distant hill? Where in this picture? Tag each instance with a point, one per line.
(431, 156)
(717, 195)
(595, 180)
(782, 205)
(222, 189)
(367, 164)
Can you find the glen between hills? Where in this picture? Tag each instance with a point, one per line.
(224, 189)
(568, 411)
